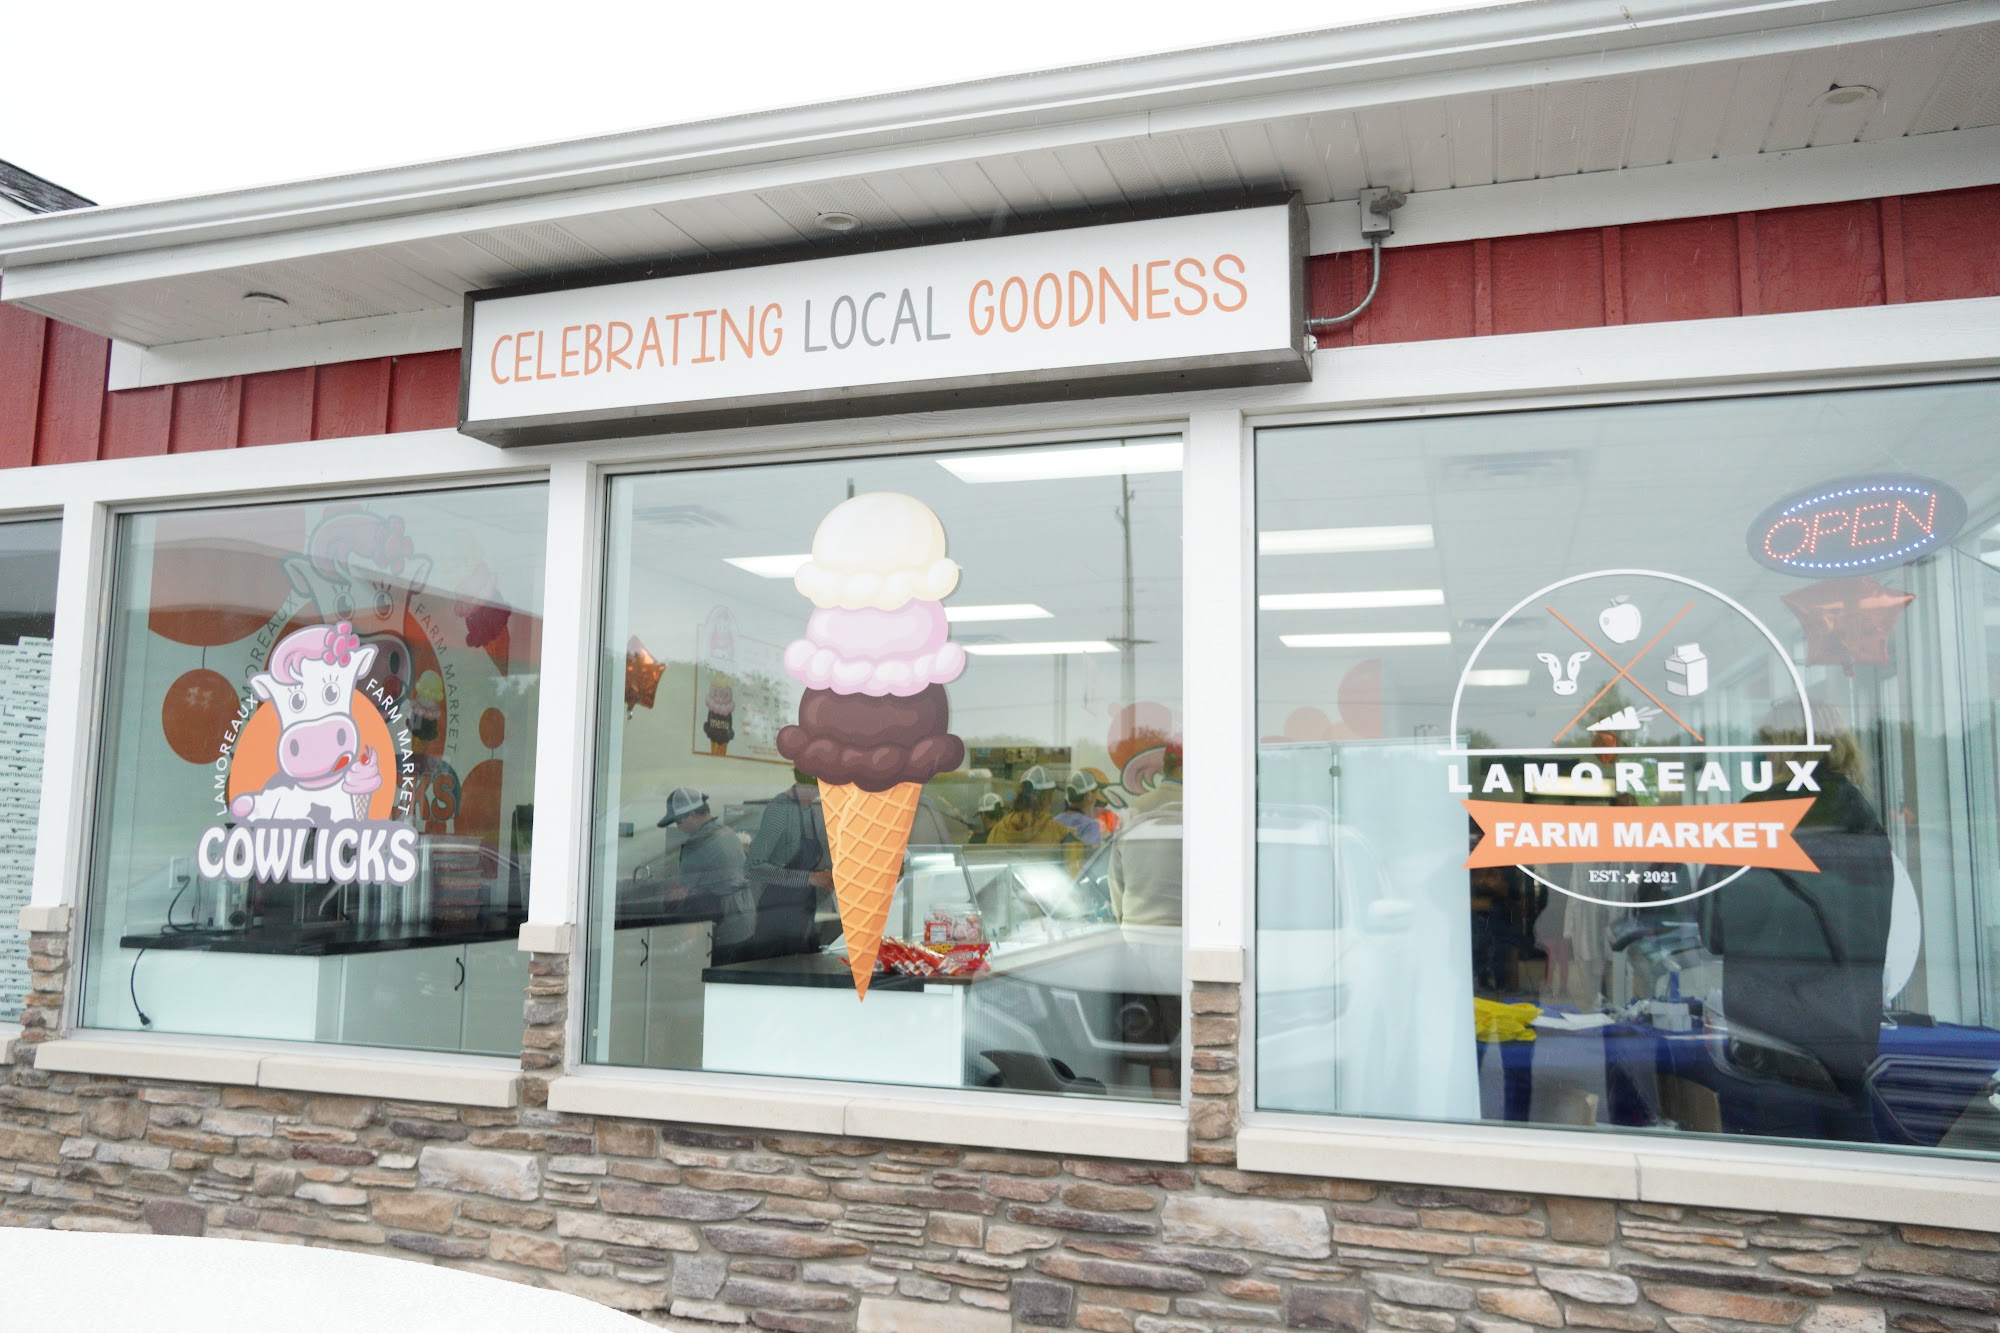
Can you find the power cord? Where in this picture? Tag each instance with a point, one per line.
(132, 988)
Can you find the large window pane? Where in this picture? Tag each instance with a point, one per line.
(848, 708)
(28, 554)
(1635, 768)
(317, 769)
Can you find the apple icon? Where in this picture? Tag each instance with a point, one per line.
(1621, 620)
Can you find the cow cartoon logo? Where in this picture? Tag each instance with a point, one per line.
(305, 787)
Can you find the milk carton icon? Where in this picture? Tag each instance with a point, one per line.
(1690, 669)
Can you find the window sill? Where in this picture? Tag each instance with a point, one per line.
(405, 1076)
(1819, 1182)
(967, 1119)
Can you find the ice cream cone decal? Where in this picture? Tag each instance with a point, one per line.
(873, 723)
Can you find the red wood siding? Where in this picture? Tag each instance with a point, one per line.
(1928, 247)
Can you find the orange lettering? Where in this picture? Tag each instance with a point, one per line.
(1180, 274)
(541, 341)
(567, 350)
(1153, 293)
(704, 358)
(651, 338)
(768, 322)
(493, 364)
(973, 310)
(613, 346)
(675, 320)
(1106, 282)
(593, 348)
(1016, 325)
(1056, 318)
(520, 357)
(1079, 309)
(1242, 292)
(742, 335)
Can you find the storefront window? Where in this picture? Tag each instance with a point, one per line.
(1635, 768)
(905, 727)
(317, 770)
(27, 622)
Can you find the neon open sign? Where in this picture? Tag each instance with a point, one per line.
(1856, 523)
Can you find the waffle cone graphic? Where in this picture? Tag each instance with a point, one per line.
(869, 831)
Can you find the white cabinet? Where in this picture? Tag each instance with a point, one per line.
(401, 997)
(496, 987)
(655, 995)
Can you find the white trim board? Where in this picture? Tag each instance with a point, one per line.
(136, 367)
(1703, 188)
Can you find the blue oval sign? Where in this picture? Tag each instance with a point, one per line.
(1856, 524)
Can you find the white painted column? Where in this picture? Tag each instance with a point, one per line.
(563, 750)
(62, 830)
(1218, 731)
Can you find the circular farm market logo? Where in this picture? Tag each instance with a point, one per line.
(1612, 741)
(315, 778)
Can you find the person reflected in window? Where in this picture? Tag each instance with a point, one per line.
(711, 874)
(1032, 821)
(1144, 877)
(992, 808)
(1802, 952)
(791, 866)
(1079, 816)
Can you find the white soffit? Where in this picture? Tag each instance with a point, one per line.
(1523, 118)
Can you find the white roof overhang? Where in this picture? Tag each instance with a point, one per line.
(1503, 120)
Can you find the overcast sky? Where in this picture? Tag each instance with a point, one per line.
(122, 101)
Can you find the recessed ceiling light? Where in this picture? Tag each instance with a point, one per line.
(1350, 601)
(1418, 638)
(1039, 649)
(1063, 464)
(1342, 541)
(768, 566)
(1497, 676)
(265, 298)
(1846, 95)
(965, 615)
(836, 219)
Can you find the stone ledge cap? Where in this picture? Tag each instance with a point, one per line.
(145, 1059)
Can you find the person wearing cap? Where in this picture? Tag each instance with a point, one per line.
(992, 806)
(1080, 817)
(711, 874)
(1031, 821)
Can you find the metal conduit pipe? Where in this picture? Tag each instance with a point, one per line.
(1376, 225)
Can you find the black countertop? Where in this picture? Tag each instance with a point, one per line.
(331, 938)
(824, 971)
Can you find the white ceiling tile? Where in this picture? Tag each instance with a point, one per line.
(1471, 129)
(1517, 124)
(1427, 131)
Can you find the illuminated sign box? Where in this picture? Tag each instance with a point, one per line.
(1856, 524)
(1195, 301)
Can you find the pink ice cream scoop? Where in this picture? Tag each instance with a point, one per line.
(363, 776)
(721, 700)
(875, 652)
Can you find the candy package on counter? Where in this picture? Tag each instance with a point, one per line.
(946, 926)
(923, 960)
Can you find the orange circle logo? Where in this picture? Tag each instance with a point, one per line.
(255, 760)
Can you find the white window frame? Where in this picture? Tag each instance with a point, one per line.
(1918, 343)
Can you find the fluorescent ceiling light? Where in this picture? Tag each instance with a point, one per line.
(1497, 676)
(1416, 638)
(1350, 601)
(768, 566)
(1341, 541)
(1039, 649)
(1061, 464)
(965, 615)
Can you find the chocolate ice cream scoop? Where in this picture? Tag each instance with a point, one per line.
(873, 743)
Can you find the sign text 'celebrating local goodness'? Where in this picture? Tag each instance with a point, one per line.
(1201, 300)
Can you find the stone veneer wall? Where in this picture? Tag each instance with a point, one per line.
(698, 1227)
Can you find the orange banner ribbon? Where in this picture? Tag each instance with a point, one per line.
(1747, 834)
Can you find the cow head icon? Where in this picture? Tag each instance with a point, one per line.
(1565, 680)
